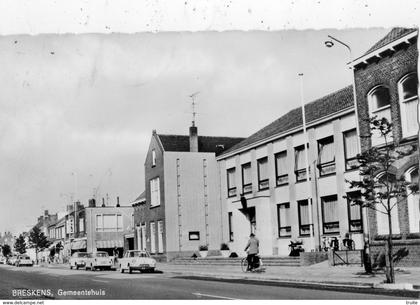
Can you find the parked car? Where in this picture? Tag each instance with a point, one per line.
(78, 260)
(98, 260)
(12, 260)
(24, 260)
(137, 260)
(3, 260)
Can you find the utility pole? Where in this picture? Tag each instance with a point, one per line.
(308, 181)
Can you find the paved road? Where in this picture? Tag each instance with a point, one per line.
(148, 286)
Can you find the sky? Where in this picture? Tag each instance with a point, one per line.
(77, 111)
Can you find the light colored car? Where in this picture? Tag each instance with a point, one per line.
(99, 260)
(3, 260)
(137, 260)
(23, 260)
(78, 260)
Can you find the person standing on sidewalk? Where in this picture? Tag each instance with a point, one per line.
(253, 250)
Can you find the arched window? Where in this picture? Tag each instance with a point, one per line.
(408, 96)
(381, 213)
(379, 101)
(413, 201)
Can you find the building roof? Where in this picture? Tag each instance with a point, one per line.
(141, 198)
(327, 105)
(394, 34)
(205, 144)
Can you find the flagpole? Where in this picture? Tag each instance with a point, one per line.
(308, 181)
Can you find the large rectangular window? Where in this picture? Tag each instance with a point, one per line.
(155, 192)
(351, 149)
(263, 181)
(281, 168)
(230, 226)
(246, 178)
(330, 218)
(326, 156)
(231, 182)
(300, 163)
(354, 213)
(109, 223)
(305, 224)
(283, 216)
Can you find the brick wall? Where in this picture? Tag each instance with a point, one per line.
(388, 71)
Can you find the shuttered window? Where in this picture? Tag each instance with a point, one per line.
(281, 168)
(330, 218)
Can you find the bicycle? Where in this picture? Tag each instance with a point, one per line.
(257, 265)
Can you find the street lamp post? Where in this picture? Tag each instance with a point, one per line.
(330, 44)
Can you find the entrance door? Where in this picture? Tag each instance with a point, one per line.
(143, 237)
(152, 237)
(160, 236)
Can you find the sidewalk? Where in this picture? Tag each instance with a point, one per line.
(407, 278)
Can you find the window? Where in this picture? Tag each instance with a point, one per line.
(413, 201)
(195, 235)
(231, 182)
(155, 192)
(354, 212)
(379, 105)
(246, 178)
(283, 215)
(351, 149)
(281, 168)
(81, 225)
(300, 163)
(330, 214)
(153, 157)
(304, 219)
(326, 156)
(379, 98)
(109, 223)
(263, 174)
(407, 93)
(381, 213)
(230, 226)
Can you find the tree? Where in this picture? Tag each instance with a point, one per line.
(38, 241)
(20, 244)
(6, 250)
(381, 190)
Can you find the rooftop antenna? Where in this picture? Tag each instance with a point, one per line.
(193, 104)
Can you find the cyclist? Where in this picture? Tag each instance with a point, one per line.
(253, 249)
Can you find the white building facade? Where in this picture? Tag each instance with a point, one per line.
(268, 171)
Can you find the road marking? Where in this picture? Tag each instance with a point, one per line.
(100, 281)
(212, 296)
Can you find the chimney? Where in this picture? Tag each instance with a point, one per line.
(92, 203)
(193, 138)
(118, 202)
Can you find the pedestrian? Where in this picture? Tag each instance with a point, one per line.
(253, 249)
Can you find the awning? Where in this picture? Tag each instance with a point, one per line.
(104, 244)
(77, 245)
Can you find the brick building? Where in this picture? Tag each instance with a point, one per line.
(387, 86)
(181, 180)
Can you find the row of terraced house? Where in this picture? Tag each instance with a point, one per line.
(202, 190)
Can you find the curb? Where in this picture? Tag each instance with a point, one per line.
(368, 288)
